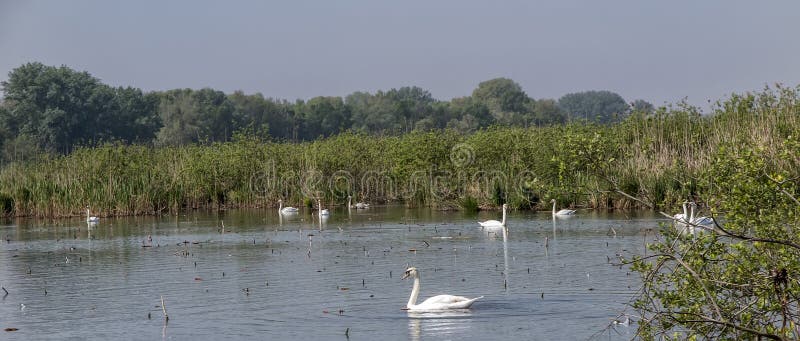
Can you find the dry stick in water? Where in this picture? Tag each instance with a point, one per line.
(164, 308)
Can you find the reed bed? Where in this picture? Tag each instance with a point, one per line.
(658, 157)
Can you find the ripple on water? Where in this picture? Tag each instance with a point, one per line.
(296, 281)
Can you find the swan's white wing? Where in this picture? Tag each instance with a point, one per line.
(491, 223)
(703, 221)
(464, 304)
(565, 212)
(442, 302)
(289, 210)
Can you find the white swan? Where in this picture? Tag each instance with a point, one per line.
(89, 218)
(440, 302)
(681, 220)
(705, 222)
(358, 205)
(561, 212)
(495, 223)
(286, 210)
(322, 212)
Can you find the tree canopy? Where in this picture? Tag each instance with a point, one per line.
(57, 108)
(598, 106)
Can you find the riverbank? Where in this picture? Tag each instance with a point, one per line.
(658, 158)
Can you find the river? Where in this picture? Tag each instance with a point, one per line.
(268, 277)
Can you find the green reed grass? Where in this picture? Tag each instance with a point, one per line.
(657, 157)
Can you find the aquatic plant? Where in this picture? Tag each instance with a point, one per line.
(647, 160)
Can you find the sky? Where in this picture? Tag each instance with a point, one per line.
(659, 51)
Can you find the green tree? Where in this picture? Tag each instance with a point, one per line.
(642, 106)
(264, 117)
(595, 106)
(469, 114)
(409, 105)
(325, 116)
(504, 98)
(738, 279)
(131, 115)
(179, 117)
(195, 116)
(546, 112)
(58, 107)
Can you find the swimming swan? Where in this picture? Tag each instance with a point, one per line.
(440, 302)
(682, 218)
(89, 218)
(322, 212)
(286, 210)
(358, 205)
(705, 222)
(561, 212)
(495, 223)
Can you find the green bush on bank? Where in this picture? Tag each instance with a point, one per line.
(653, 156)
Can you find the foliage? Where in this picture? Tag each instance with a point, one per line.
(469, 204)
(195, 116)
(595, 106)
(504, 97)
(642, 106)
(58, 108)
(737, 280)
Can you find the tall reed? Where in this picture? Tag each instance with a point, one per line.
(656, 156)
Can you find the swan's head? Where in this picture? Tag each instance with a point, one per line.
(552, 201)
(505, 206)
(280, 200)
(410, 272)
(349, 197)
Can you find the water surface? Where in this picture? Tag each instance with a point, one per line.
(265, 277)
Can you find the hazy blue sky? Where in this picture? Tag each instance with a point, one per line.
(660, 51)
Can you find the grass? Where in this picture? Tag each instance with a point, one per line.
(658, 157)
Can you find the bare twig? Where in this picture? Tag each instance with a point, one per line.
(706, 319)
(780, 186)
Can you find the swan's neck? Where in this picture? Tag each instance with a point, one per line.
(691, 215)
(412, 301)
(684, 211)
(349, 202)
(504, 217)
(554, 208)
(280, 206)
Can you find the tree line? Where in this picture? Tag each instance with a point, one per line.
(56, 109)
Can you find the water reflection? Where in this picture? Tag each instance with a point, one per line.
(505, 260)
(261, 269)
(439, 324)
